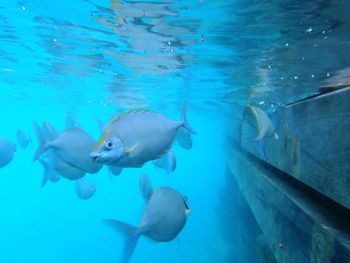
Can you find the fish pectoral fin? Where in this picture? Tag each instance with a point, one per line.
(135, 149)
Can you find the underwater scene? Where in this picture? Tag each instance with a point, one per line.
(175, 131)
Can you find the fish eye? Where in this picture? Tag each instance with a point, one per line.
(109, 145)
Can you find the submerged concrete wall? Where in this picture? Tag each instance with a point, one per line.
(238, 226)
(299, 192)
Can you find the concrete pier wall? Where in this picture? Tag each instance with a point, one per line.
(299, 192)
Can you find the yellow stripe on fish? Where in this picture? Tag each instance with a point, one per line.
(258, 121)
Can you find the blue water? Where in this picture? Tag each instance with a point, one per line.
(101, 58)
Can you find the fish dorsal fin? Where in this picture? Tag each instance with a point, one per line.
(127, 113)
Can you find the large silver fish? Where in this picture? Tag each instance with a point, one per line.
(164, 217)
(74, 146)
(137, 137)
(7, 151)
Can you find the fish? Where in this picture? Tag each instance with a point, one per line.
(85, 189)
(22, 139)
(164, 217)
(136, 137)
(7, 151)
(264, 126)
(54, 165)
(146, 187)
(184, 139)
(73, 146)
(166, 162)
(264, 123)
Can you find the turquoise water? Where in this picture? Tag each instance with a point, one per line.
(101, 58)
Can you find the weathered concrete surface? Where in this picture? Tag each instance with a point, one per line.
(298, 223)
(237, 224)
(313, 144)
(263, 251)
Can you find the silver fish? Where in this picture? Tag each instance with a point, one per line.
(54, 165)
(259, 119)
(263, 122)
(7, 151)
(85, 189)
(166, 162)
(164, 217)
(22, 138)
(137, 137)
(74, 146)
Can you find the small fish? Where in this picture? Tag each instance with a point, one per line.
(85, 189)
(7, 151)
(54, 165)
(164, 217)
(146, 187)
(74, 146)
(166, 162)
(264, 123)
(137, 137)
(184, 139)
(22, 138)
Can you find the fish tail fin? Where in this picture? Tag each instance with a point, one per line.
(185, 124)
(131, 234)
(47, 172)
(42, 142)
